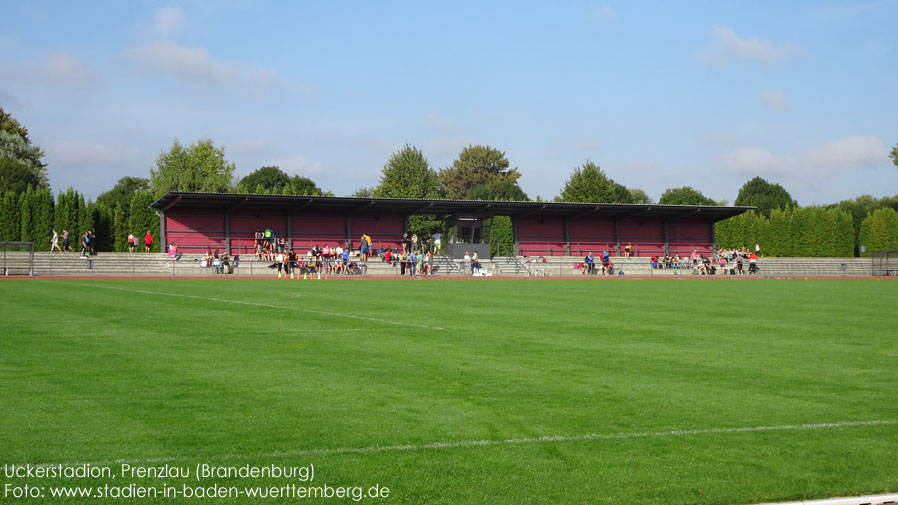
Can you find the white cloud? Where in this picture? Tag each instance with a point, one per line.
(720, 139)
(578, 144)
(849, 152)
(201, 70)
(59, 68)
(826, 160)
(71, 153)
(440, 123)
(755, 160)
(299, 165)
(728, 45)
(775, 99)
(250, 146)
(446, 147)
(600, 13)
(168, 21)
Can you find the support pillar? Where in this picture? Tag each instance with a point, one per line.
(617, 235)
(227, 232)
(162, 241)
(514, 236)
(567, 237)
(349, 231)
(666, 247)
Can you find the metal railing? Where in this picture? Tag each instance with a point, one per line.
(637, 249)
(18, 256)
(197, 243)
(508, 252)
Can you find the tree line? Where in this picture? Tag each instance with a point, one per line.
(28, 210)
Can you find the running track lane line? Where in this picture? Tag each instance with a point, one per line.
(487, 443)
(252, 304)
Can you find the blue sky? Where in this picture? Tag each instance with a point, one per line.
(660, 94)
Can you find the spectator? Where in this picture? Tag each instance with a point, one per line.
(290, 266)
(207, 259)
(589, 263)
(132, 242)
(258, 236)
(54, 241)
(225, 263)
(363, 249)
(279, 260)
(267, 235)
(65, 241)
(412, 261)
(148, 241)
(753, 262)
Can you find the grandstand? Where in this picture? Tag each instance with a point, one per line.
(200, 221)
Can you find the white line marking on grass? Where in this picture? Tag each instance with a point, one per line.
(576, 438)
(486, 443)
(252, 304)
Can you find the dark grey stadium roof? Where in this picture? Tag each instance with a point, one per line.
(410, 206)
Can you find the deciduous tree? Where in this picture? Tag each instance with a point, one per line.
(407, 174)
(476, 165)
(588, 183)
(504, 191)
(685, 196)
(200, 167)
(640, 196)
(765, 196)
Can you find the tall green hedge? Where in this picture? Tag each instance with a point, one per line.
(10, 229)
(792, 232)
(142, 219)
(120, 229)
(502, 233)
(879, 231)
(66, 212)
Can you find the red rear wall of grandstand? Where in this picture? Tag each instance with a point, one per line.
(195, 230)
(545, 236)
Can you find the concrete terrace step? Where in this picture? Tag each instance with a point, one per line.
(156, 264)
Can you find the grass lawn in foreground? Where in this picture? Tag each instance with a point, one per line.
(459, 391)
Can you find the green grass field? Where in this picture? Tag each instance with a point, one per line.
(459, 391)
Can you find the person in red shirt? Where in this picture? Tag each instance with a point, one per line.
(148, 241)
